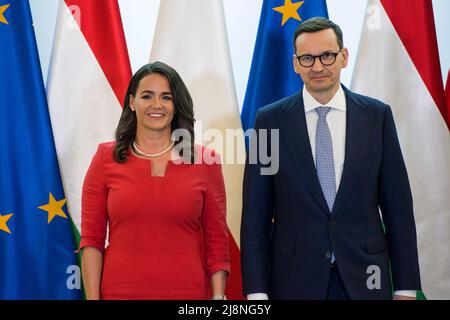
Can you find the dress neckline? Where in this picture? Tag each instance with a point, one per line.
(170, 162)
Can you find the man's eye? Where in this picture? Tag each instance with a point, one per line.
(306, 58)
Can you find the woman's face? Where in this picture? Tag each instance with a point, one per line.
(153, 103)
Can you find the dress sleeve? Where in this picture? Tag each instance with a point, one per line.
(93, 205)
(215, 223)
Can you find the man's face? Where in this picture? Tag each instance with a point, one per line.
(320, 78)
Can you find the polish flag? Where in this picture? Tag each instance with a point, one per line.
(87, 82)
(398, 63)
(197, 47)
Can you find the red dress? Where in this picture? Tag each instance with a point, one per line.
(167, 235)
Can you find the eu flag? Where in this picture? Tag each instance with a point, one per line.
(272, 75)
(37, 259)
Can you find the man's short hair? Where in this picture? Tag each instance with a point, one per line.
(318, 24)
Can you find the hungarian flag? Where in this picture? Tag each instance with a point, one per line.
(199, 52)
(87, 82)
(398, 63)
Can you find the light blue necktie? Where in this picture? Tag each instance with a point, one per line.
(325, 160)
(324, 157)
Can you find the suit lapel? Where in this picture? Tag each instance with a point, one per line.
(293, 129)
(357, 134)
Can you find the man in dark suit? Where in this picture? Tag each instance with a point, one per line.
(313, 229)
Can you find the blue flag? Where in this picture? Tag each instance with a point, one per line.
(272, 75)
(37, 259)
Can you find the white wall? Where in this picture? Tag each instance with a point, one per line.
(242, 17)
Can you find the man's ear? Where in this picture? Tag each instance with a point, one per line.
(296, 64)
(345, 57)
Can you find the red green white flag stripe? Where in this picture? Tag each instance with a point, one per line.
(398, 62)
(87, 81)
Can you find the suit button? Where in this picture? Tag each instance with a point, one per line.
(328, 254)
(331, 222)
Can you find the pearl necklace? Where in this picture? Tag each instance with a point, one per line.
(152, 155)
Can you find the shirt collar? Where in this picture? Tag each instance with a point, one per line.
(337, 102)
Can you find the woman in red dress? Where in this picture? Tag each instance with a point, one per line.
(166, 210)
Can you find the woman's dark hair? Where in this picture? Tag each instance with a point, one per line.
(183, 117)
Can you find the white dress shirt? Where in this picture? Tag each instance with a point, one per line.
(336, 120)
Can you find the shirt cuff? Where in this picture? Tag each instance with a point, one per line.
(406, 293)
(257, 296)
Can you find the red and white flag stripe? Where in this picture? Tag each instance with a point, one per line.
(447, 96)
(201, 55)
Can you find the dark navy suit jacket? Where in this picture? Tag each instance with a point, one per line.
(287, 230)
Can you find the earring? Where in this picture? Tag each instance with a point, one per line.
(131, 109)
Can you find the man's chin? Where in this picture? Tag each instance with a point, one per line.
(320, 88)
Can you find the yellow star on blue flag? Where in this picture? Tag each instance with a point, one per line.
(289, 11)
(37, 256)
(2, 11)
(54, 208)
(3, 220)
(272, 76)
